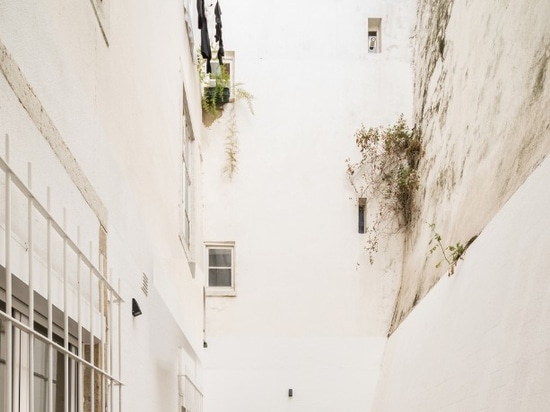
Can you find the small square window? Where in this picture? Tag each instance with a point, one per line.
(221, 269)
(374, 30)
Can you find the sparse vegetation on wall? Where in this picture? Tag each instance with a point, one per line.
(232, 136)
(216, 95)
(386, 176)
(465, 101)
(451, 253)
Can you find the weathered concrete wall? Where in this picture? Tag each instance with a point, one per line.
(480, 340)
(482, 105)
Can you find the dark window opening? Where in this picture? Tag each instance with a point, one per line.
(362, 205)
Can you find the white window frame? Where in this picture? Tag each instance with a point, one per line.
(186, 206)
(186, 189)
(220, 290)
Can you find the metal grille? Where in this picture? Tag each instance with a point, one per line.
(59, 314)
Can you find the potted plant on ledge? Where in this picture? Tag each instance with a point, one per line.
(216, 90)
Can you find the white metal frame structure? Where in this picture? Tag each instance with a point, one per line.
(59, 333)
(190, 396)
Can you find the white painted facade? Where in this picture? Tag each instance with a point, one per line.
(101, 96)
(93, 95)
(309, 312)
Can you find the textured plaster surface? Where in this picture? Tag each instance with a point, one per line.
(482, 100)
(480, 340)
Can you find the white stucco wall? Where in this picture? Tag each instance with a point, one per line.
(305, 315)
(118, 109)
(310, 314)
(480, 339)
(324, 373)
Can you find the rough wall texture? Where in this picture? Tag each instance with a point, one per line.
(480, 340)
(482, 99)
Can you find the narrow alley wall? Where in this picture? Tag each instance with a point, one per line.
(481, 106)
(306, 311)
(480, 340)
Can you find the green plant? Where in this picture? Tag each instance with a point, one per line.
(386, 175)
(243, 95)
(216, 93)
(451, 254)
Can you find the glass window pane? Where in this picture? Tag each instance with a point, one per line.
(219, 277)
(59, 382)
(219, 258)
(40, 375)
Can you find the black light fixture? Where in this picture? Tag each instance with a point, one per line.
(136, 310)
(290, 393)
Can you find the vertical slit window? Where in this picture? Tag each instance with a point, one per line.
(361, 209)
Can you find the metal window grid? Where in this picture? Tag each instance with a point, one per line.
(89, 275)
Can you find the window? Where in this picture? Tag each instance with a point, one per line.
(221, 268)
(186, 200)
(45, 359)
(362, 207)
(64, 369)
(374, 44)
(186, 189)
(190, 397)
(229, 68)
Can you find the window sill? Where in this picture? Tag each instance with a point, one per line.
(220, 292)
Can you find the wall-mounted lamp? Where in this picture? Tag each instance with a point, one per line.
(290, 393)
(136, 310)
